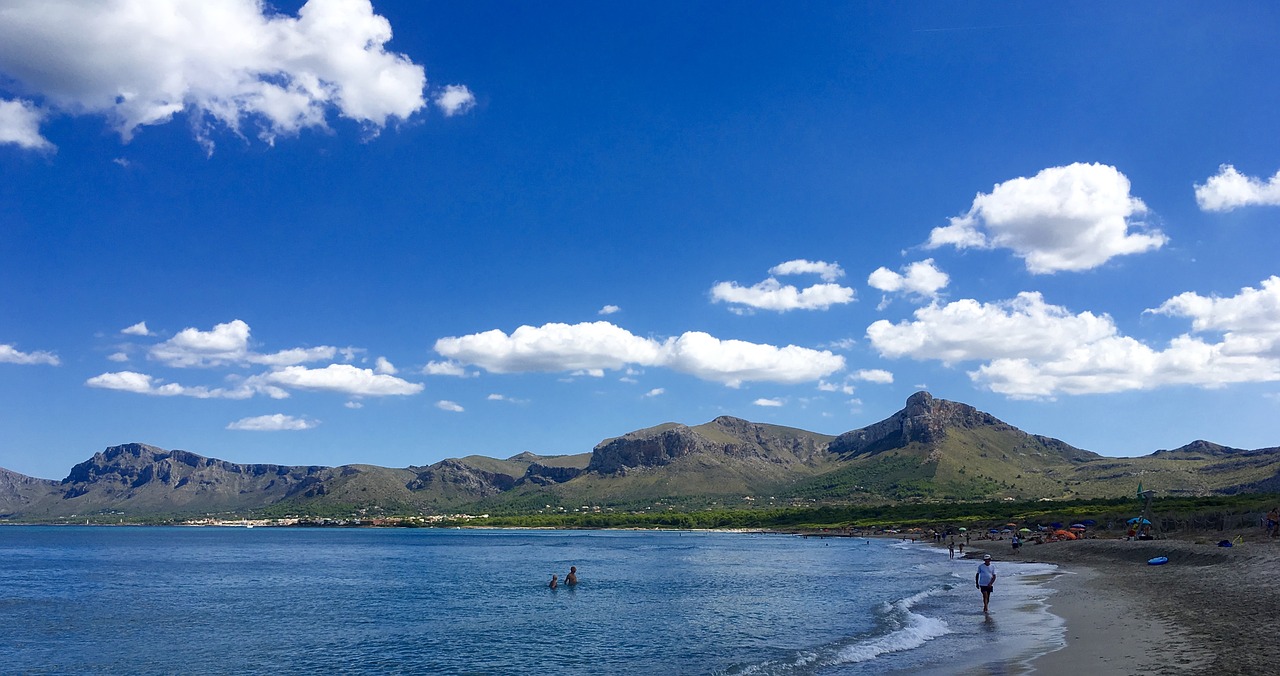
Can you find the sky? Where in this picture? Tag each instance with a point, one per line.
(391, 233)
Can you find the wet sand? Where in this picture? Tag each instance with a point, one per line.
(1210, 609)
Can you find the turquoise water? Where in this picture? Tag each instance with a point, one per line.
(283, 600)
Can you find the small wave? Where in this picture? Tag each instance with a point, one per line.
(915, 631)
(906, 630)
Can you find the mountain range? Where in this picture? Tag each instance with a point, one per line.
(933, 449)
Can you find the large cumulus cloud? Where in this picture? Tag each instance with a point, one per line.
(229, 62)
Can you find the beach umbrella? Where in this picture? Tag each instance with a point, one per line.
(1011, 524)
(1077, 525)
(1138, 520)
(993, 530)
(1024, 530)
(962, 529)
(1077, 528)
(1055, 524)
(1089, 522)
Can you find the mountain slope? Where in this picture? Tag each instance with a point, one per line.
(933, 449)
(19, 492)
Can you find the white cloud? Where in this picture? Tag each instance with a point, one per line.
(273, 423)
(11, 355)
(1229, 189)
(772, 403)
(829, 272)
(655, 392)
(773, 295)
(118, 357)
(1253, 311)
(446, 368)
(608, 310)
(20, 125)
(596, 346)
(1036, 350)
(921, 278)
(1075, 217)
(552, 347)
(967, 330)
(384, 367)
(343, 378)
(139, 329)
(141, 383)
(140, 62)
(224, 344)
(290, 357)
(843, 388)
(446, 405)
(734, 362)
(879, 376)
(227, 344)
(354, 405)
(455, 100)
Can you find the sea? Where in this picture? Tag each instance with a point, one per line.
(220, 600)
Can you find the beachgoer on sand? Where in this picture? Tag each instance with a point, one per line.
(951, 550)
(985, 580)
(572, 578)
(553, 582)
(1273, 522)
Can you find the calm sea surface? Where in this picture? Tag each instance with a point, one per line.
(282, 600)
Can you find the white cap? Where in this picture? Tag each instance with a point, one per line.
(986, 557)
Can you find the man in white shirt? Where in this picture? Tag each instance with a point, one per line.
(985, 579)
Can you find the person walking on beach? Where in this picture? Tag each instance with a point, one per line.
(572, 578)
(951, 550)
(1273, 522)
(985, 579)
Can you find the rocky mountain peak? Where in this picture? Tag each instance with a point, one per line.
(923, 419)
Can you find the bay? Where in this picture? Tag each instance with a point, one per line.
(157, 600)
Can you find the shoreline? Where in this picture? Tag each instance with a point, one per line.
(1208, 610)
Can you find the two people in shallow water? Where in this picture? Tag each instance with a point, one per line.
(571, 579)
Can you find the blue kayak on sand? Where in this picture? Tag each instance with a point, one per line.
(1157, 561)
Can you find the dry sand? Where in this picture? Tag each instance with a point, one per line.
(1210, 609)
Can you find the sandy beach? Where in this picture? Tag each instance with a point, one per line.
(1210, 609)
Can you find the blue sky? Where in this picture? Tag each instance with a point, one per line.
(390, 234)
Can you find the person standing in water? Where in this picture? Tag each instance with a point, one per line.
(572, 578)
(553, 581)
(985, 579)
